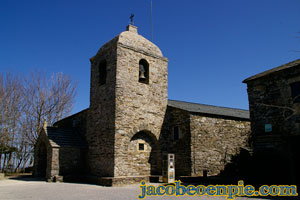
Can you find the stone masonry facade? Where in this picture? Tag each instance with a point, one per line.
(212, 147)
(275, 122)
(130, 124)
(206, 142)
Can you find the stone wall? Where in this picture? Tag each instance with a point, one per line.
(43, 164)
(275, 151)
(271, 102)
(139, 106)
(214, 141)
(54, 164)
(123, 107)
(142, 162)
(101, 115)
(71, 161)
(181, 147)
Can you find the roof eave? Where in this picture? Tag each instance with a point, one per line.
(273, 70)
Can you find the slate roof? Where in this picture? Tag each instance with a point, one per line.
(62, 137)
(276, 69)
(70, 116)
(208, 109)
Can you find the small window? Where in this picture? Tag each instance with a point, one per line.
(268, 128)
(143, 71)
(295, 88)
(102, 72)
(141, 146)
(176, 133)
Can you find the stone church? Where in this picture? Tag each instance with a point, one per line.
(130, 124)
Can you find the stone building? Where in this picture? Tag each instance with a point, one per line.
(130, 124)
(274, 101)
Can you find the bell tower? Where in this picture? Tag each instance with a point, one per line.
(128, 98)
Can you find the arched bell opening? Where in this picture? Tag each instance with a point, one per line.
(143, 71)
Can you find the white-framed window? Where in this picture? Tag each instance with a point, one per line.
(141, 145)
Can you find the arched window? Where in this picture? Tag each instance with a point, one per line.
(143, 71)
(102, 72)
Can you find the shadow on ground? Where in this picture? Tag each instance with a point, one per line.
(25, 177)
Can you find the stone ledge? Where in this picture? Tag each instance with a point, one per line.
(55, 179)
(143, 52)
(117, 181)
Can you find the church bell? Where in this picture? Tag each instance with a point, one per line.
(142, 73)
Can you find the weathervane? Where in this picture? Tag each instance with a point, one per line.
(131, 19)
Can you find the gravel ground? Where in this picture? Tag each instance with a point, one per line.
(36, 190)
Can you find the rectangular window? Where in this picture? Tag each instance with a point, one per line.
(176, 133)
(295, 89)
(268, 128)
(141, 147)
(102, 73)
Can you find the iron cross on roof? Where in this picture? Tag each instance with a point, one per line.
(131, 19)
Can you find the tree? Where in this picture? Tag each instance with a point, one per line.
(11, 105)
(25, 104)
(46, 100)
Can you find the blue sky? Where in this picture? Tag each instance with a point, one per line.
(212, 45)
